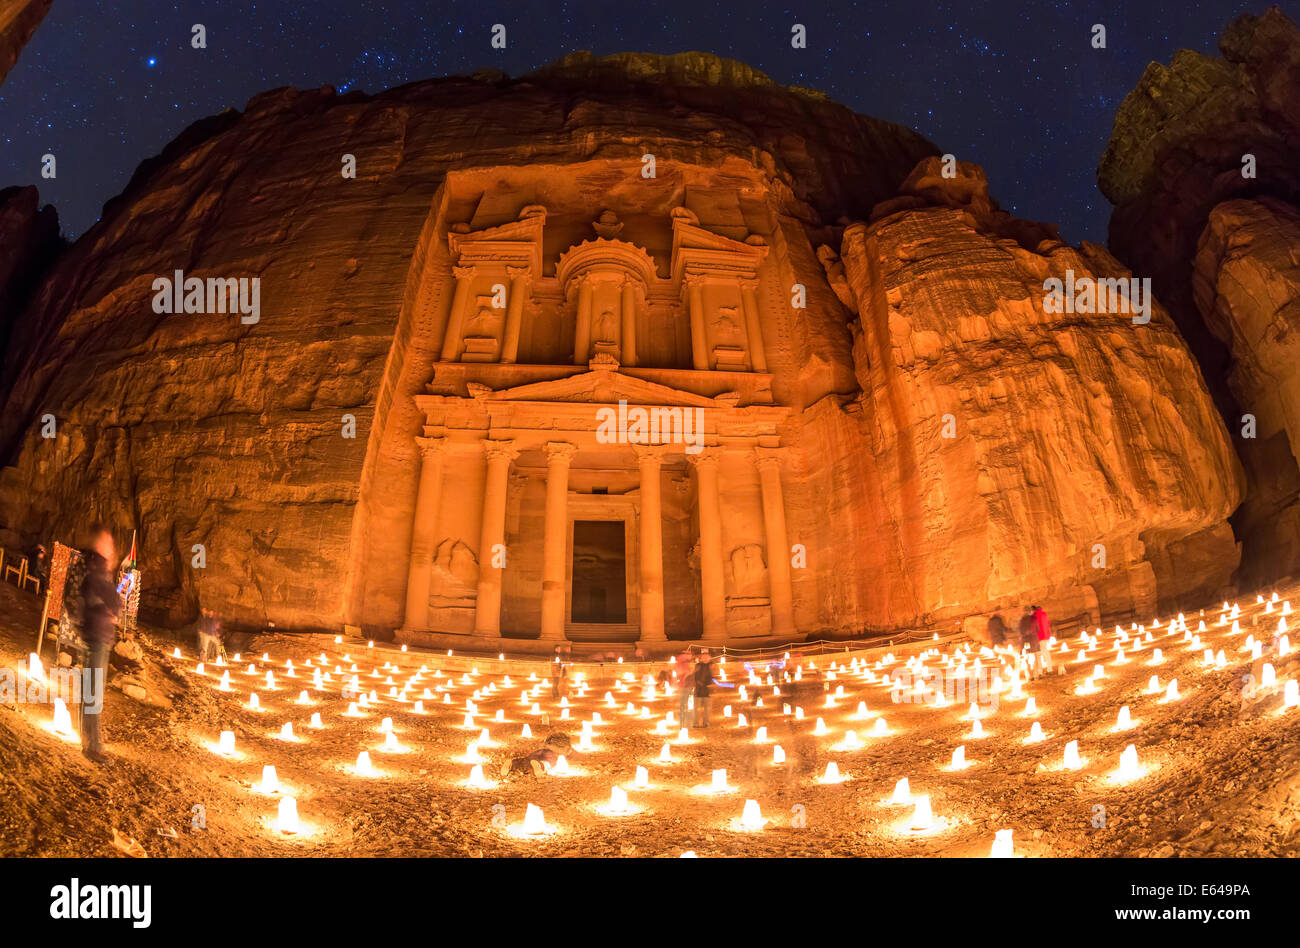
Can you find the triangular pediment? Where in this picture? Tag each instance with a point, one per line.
(600, 387)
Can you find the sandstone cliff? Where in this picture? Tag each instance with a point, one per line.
(1203, 168)
(18, 21)
(1083, 462)
(1086, 467)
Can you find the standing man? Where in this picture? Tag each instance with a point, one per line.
(1044, 630)
(101, 606)
(703, 679)
(1029, 642)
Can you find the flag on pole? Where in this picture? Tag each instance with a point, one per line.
(129, 563)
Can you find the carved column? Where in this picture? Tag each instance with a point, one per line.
(487, 619)
(753, 328)
(695, 303)
(712, 582)
(555, 537)
(778, 543)
(627, 335)
(424, 531)
(456, 318)
(514, 312)
(582, 335)
(649, 460)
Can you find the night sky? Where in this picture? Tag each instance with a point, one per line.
(1016, 87)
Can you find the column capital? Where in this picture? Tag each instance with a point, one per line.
(690, 279)
(648, 455)
(748, 283)
(432, 447)
(560, 452)
(704, 459)
(768, 459)
(502, 450)
(519, 273)
(464, 272)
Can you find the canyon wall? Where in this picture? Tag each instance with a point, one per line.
(1203, 168)
(953, 448)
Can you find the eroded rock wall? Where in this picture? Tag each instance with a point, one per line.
(1203, 168)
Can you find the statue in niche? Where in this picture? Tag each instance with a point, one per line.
(455, 569)
(605, 328)
(727, 322)
(483, 322)
(607, 226)
(748, 572)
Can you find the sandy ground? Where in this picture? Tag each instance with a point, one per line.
(1222, 773)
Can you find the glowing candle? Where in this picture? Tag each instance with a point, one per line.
(225, 682)
(778, 754)
(832, 774)
(226, 743)
(1124, 722)
(287, 820)
(902, 792)
(977, 729)
(1031, 706)
(390, 742)
(820, 728)
(176, 653)
(752, 818)
(364, 767)
(665, 755)
(760, 736)
(1003, 848)
(882, 728)
(304, 698)
(922, 818)
(1128, 764)
(642, 778)
(62, 719)
(286, 731)
(316, 721)
(418, 708)
(862, 710)
(198, 670)
(270, 782)
(1171, 693)
(959, 758)
(720, 781)
(1035, 733)
(1153, 686)
(617, 800)
(534, 822)
(1291, 694)
(270, 681)
(683, 736)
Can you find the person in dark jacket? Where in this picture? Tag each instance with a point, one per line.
(1029, 638)
(209, 636)
(101, 606)
(702, 679)
(998, 630)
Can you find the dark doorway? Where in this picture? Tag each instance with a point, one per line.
(599, 571)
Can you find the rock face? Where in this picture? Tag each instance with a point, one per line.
(1204, 170)
(18, 21)
(1067, 458)
(888, 397)
(30, 235)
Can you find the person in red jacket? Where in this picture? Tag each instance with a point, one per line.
(1044, 629)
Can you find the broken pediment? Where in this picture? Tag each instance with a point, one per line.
(601, 385)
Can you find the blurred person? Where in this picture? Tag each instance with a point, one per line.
(101, 606)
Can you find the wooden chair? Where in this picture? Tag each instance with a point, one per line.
(34, 580)
(18, 569)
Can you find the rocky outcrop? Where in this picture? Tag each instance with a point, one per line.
(1075, 459)
(18, 21)
(200, 431)
(29, 235)
(1202, 160)
(953, 447)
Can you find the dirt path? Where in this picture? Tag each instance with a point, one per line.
(1223, 776)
